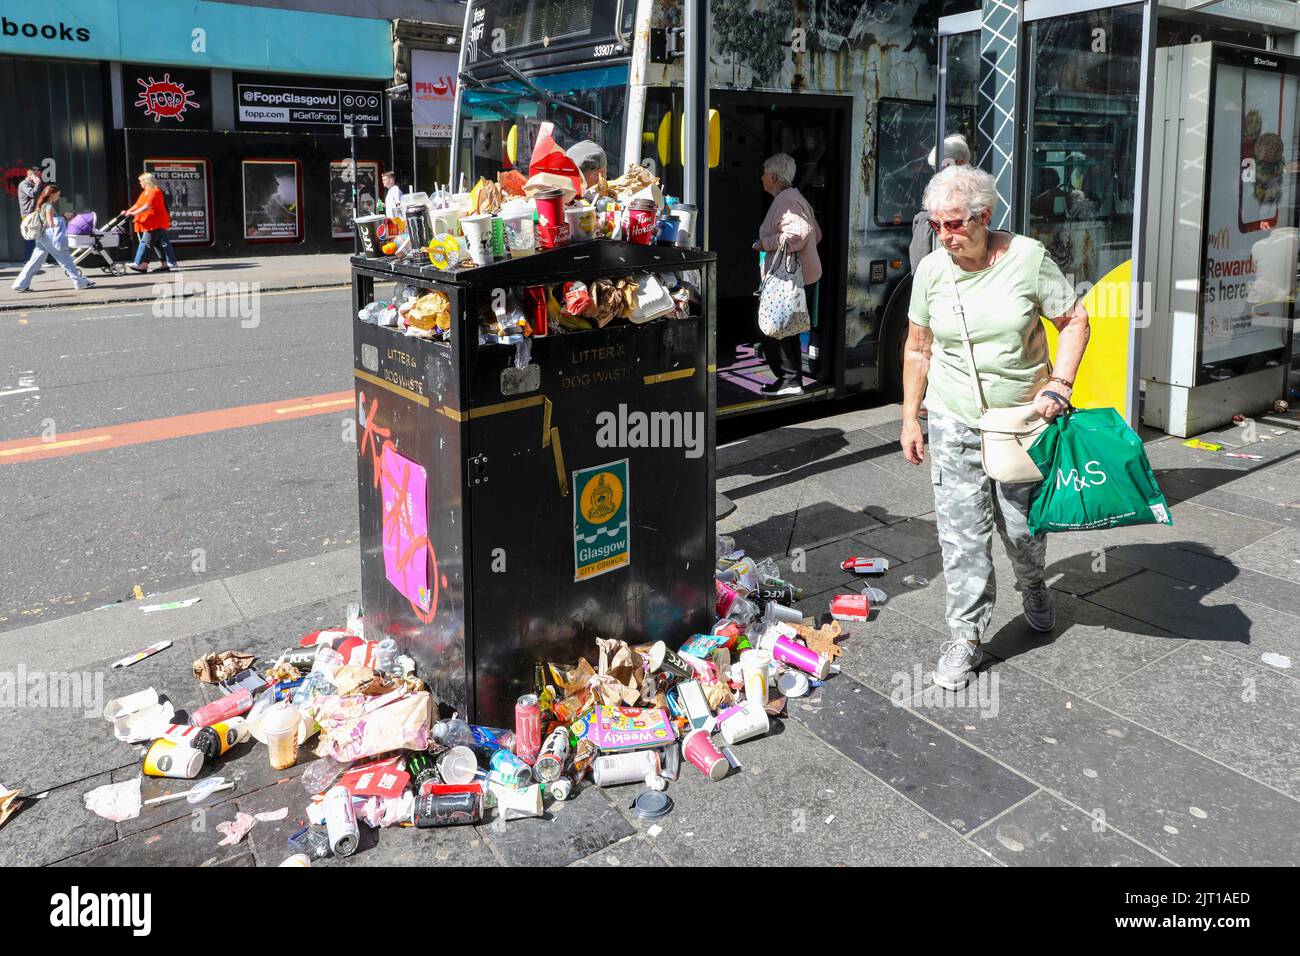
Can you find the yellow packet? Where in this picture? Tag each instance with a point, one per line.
(1202, 445)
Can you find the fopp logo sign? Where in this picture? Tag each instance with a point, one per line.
(165, 98)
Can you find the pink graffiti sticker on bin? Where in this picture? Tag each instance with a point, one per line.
(403, 485)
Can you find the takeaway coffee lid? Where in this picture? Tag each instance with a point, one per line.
(651, 804)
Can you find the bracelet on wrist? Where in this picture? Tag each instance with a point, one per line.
(1061, 381)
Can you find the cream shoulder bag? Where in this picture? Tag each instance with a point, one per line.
(1005, 433)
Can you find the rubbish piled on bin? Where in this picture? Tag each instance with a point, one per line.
(513, 216)
(631, 715)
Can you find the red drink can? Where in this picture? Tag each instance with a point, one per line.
(535, 304)
(641, 222)
(528, 728)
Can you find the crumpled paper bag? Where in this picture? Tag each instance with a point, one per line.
(359, 726)
(214, 668)
(115, 801)
(9, 803)
(620, 674)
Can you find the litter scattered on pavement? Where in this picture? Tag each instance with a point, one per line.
(1277, 660)
(1241, 455)
(170, 605)
(138, 656)
(1203, 445)
(631, 715)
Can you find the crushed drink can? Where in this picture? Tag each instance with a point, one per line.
(528, 728)
(510, 770)
(341, 822)
(423, 769)
(449, 809)
(550, 763)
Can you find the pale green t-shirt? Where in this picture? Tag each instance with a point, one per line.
(1003, 304)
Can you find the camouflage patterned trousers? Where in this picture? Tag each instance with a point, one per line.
(967, 504)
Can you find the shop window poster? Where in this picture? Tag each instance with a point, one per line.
(184, 184)
(272, 200)
(342, 177)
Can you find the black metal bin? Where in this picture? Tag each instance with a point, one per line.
(550, 519)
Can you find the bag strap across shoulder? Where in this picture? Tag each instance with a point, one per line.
(960, 313)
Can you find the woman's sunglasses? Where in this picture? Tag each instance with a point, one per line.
(952, 225)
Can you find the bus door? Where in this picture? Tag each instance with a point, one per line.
(811, 129)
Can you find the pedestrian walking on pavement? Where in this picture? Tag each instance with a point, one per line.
(392, 194)
(789, 220)
(151, 223)
(52, 240)
(1003, 282)
(28, 191)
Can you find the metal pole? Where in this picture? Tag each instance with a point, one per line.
(695, 129)
(356, 249)
(1141, 304)
(455, 113)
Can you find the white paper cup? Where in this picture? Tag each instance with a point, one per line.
(754, 666)
(748, 722)
(517, 804)
(478, 235)
(582, 222)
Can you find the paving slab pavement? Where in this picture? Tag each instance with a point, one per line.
(1155, 726)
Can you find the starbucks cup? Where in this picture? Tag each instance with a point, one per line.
(478, 236)
(754, 665)
(582, 222)
(664, 660)
(699, 750)
(458, 765)
(747, 722)
(521, 237)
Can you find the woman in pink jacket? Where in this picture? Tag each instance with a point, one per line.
(791, 220)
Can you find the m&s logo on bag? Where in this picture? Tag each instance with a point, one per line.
(1072, 478)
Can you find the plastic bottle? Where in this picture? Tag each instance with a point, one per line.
(232, 705)
(386, 654)
(725, 544)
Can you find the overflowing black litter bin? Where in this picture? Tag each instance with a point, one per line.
(520, 497)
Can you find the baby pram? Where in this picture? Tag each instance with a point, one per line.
(86, 239)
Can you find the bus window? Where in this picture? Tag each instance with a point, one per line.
(904, 138)
(495, 112)
(663, 118)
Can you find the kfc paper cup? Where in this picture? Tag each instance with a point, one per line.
(664, 660)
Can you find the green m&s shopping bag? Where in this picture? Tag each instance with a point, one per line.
(1095, 475)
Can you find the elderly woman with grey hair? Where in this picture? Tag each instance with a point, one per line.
(790, 220)
(1004, 283)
